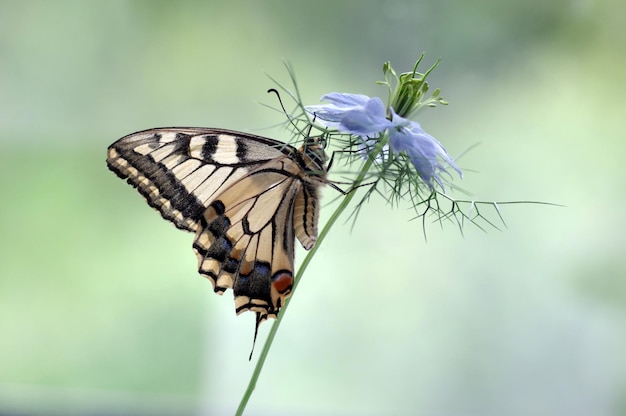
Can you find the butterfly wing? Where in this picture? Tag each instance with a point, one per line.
(246, 197)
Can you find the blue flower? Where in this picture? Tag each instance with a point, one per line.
(366, 118)
(356, 114)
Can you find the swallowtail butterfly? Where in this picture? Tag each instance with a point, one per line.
(246, 198)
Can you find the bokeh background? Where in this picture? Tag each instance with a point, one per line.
(102, 311)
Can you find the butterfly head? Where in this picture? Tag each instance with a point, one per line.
(314, 155)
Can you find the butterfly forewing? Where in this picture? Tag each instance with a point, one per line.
(179, 171)
(246, 197)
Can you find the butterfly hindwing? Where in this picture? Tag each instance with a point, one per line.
(246, 197)
(247, 243)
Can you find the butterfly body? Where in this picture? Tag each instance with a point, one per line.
(246, 198)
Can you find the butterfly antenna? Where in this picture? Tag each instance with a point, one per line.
(256, 331)
(280, 100)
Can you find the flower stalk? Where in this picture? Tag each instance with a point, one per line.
(270, 338)
(398, 160)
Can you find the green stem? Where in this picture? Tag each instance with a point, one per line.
(331, 221)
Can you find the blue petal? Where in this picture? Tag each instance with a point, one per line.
(375, 108)
(422, 148)
(327, 114)
(356, 114)
(366, 122)
(346, 100)
(339, 104)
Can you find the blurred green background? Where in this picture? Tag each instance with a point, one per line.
(102, 311)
